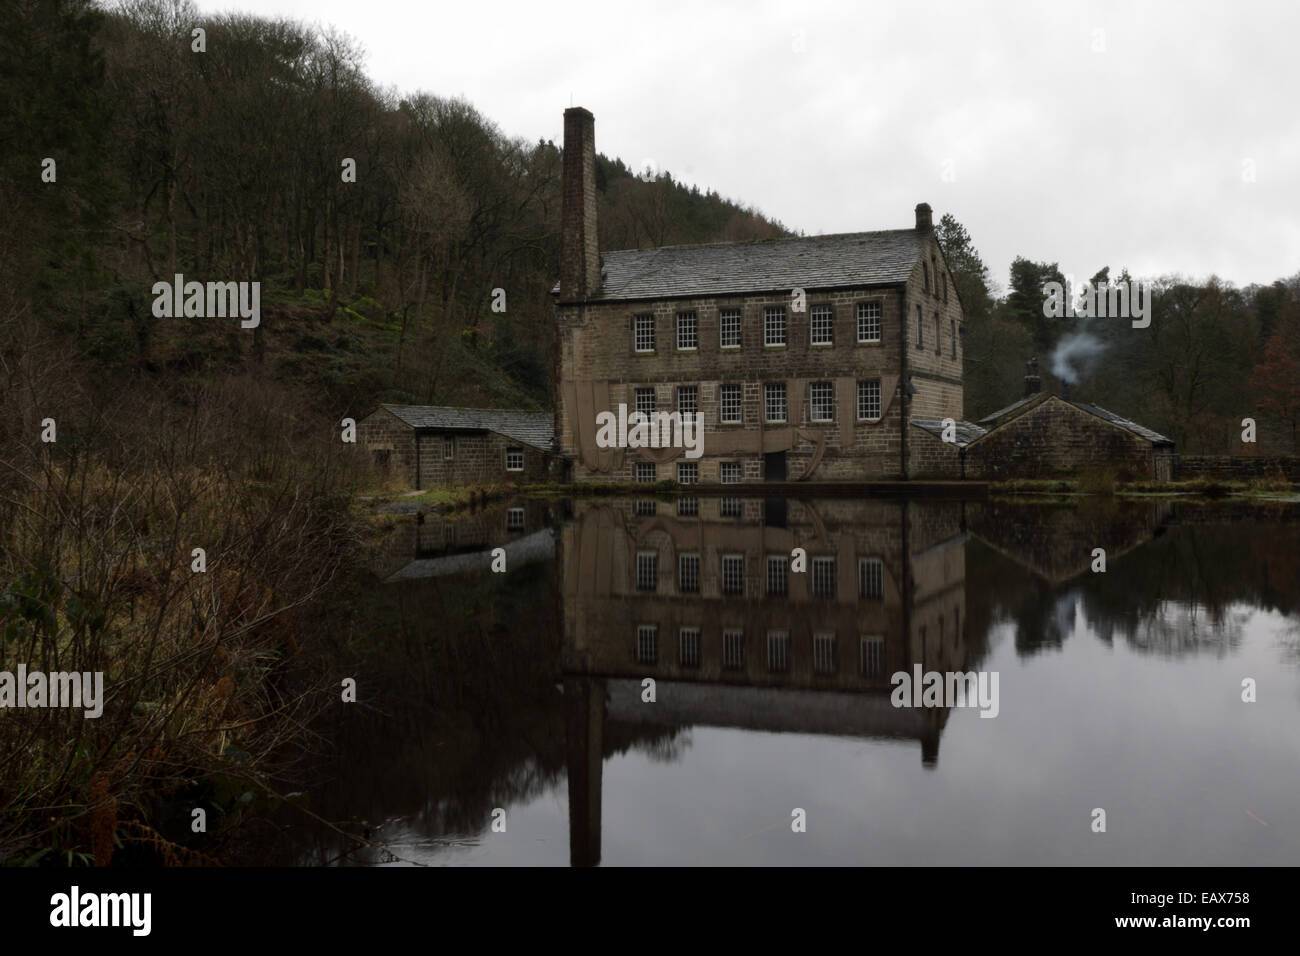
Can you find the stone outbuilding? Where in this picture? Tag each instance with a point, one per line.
(1051, 436)
(431, 445)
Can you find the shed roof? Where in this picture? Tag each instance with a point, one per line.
(765, 265)
(967, 432)
(1016, 409)
(531, 428)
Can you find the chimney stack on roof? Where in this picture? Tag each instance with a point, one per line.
(579, 253)
(1032, 382)
(924, 217)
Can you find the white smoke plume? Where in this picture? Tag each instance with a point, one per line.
(1073, 354)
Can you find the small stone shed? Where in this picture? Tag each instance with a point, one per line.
(1047, 436)
(431, 445)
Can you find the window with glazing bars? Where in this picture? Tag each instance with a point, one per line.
(729, 403)
(647, 644)
(647, 570)
(729, 328)
(823, 577)
(868, 321)
(821, 328)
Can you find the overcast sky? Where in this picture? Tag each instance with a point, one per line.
(1164, 137)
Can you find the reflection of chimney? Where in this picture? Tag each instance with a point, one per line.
(1032, 382)
(579, 255)
(924, 218)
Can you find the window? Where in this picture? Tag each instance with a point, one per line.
(821, 402)
(515, 519)
(645, 507)
(774, 325)
(688, 330)
(448, 448)
(774, 401)
(868, 321)
(936, 333)
(824, 653)
(733, 649)
(688, 401)
(688, 507)
(871, 578)
(688, 573)
(776, 576)
(822, 328)
(934, 267)
(733, 574)
(514, 459)
(729, 508)
(729, 403)
(688, 472)
(729, 328)
(945, 288)
(925, 272)
(952, 335)
(645, 471)
(647, 570)
(645, 333)
(823, 577)
(647, 644)
(920, 331)
(871, 656)
(869, 400)
(730, 472)
(688, 647)
(778, 651)
(645, 400)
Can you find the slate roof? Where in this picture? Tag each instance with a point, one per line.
(993, 419)
(531, 428)
(966, 432)
(765, 265)
(1134, 427)
(1015, 408)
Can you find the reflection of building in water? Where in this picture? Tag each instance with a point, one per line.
(1056, 541)
(433, 545)
(701, 597)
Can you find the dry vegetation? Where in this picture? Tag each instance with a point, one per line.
(97, 532)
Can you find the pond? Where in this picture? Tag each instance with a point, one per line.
(1144, 714)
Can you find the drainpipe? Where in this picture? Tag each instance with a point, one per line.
(417, 460)
(903, 397)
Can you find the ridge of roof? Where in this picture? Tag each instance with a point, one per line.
(880, 257)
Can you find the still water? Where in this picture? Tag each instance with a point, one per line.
(522, 691)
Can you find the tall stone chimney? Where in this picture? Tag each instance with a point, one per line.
(924, 218)
(1032, 382)
(579, 254)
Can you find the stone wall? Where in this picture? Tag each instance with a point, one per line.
(930, 457)
(1237, 467)
(1056, 439)
(599, 368)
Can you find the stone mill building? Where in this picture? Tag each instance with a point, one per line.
(804, 359)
